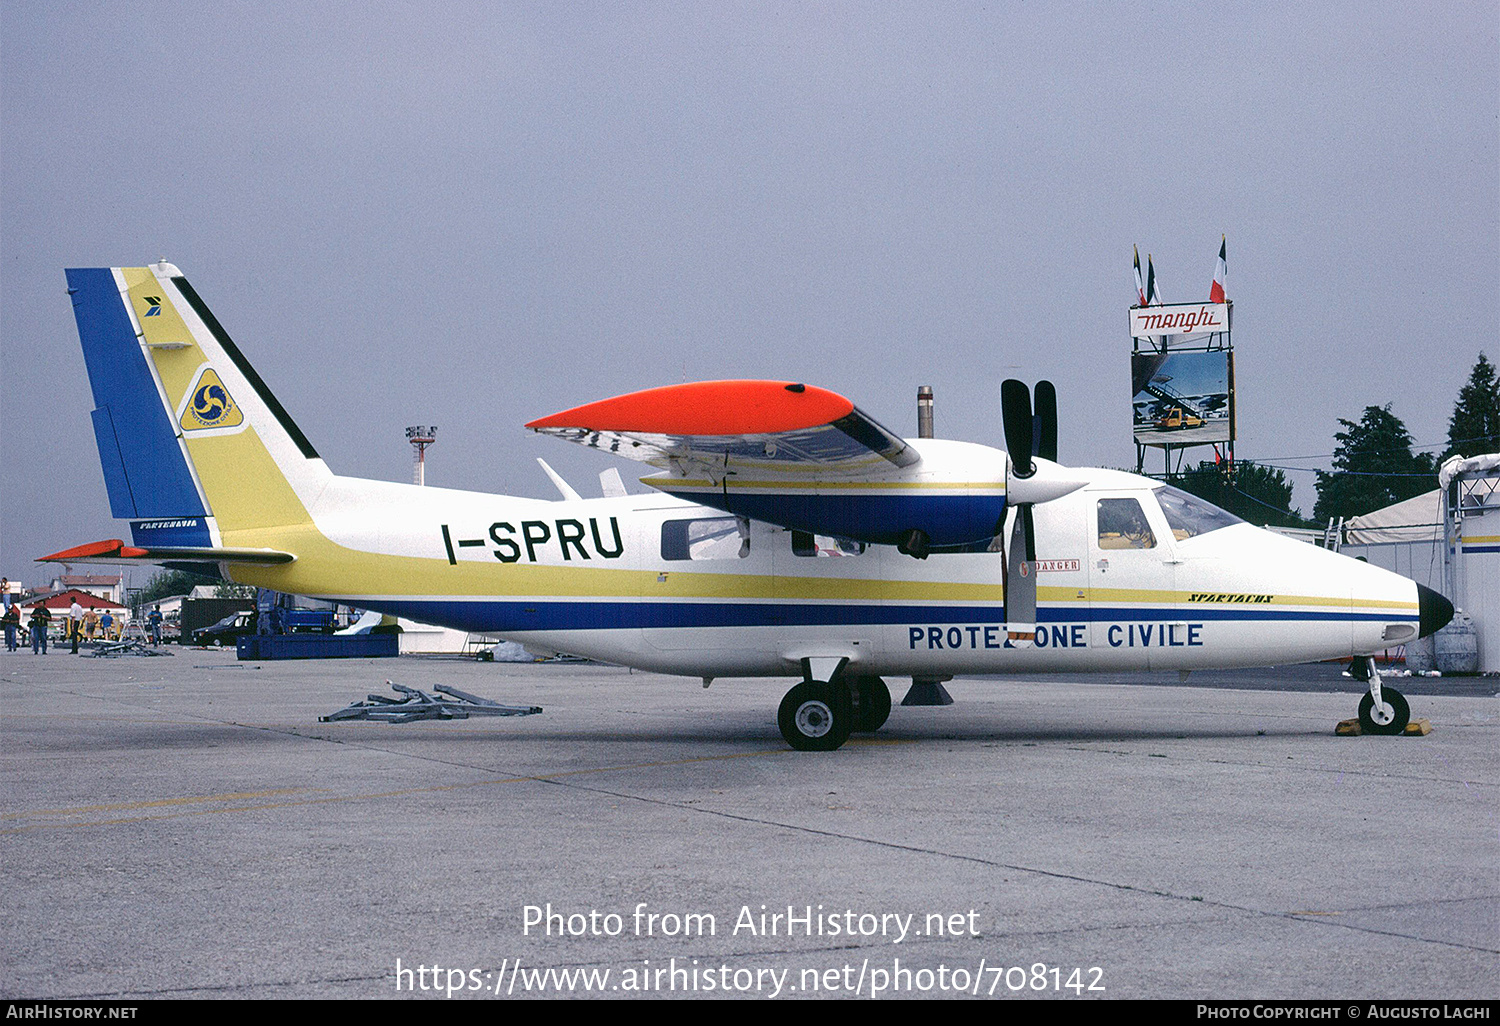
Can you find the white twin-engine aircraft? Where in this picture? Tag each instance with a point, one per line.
(787, 535)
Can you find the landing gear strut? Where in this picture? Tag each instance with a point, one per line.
(1383, 710)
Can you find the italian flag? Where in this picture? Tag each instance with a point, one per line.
(1140, 290)
(1216, 290)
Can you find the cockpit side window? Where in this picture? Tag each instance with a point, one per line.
(1123, 525)
(1190, 516)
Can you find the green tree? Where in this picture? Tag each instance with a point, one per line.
(1260, 495)
(166, 583)
(1474, 428)
(1373, 467)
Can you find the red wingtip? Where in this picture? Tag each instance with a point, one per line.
(709, 408)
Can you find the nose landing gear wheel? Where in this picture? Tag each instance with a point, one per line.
(816, 716)
(1398, 711)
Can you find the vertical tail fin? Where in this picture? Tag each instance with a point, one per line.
(195, 448)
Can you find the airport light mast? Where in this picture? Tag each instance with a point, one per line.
(420, 438)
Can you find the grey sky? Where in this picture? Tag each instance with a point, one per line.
(474, 215)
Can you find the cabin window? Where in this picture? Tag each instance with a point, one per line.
(1123, 525)
(1189, 516)
(805, 543)
(706, 538)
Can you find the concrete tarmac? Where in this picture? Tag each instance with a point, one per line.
(184, 827)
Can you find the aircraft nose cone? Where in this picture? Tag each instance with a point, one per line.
(1434, 611)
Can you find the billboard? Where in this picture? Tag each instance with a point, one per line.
(1182, 398)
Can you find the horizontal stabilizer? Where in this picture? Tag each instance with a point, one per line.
(116, 551)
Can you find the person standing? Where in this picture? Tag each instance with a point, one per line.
(75, 623)
(38, 624)
(106, 622)
(90, 623)
(155, 621)
(11, 620)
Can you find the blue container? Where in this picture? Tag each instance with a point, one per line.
(318, 646)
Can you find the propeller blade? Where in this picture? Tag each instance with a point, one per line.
(1046, 421)
(1031, 437)
(1020, 581)
(1015, 412)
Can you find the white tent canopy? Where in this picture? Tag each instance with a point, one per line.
(1418, 519)
(1456, 465)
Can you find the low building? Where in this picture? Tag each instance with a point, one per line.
(105, 586)
(59, 602)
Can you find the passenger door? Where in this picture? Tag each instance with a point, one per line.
(1132, 579)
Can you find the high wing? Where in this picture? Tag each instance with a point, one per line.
(801, 457)
(765, 424)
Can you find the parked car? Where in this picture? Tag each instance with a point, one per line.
(227, 631)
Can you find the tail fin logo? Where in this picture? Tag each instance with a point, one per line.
(210, 406)
(155, 302)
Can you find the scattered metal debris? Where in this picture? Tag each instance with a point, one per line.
(129, 647)
(420, 705)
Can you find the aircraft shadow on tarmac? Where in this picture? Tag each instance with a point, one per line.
(732, 734)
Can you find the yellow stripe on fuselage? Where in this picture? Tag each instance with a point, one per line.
(1183, 598)
(324, 567)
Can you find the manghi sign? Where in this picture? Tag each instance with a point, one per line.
(1179, 319)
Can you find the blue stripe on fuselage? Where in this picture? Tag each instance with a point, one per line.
(481, 615)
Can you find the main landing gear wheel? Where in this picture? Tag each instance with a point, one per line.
(1396, 714)
(816, 716)
(872, 703)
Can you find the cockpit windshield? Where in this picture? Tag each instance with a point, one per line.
(1190, 516)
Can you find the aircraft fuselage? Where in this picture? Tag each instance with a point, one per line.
(659, 583)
